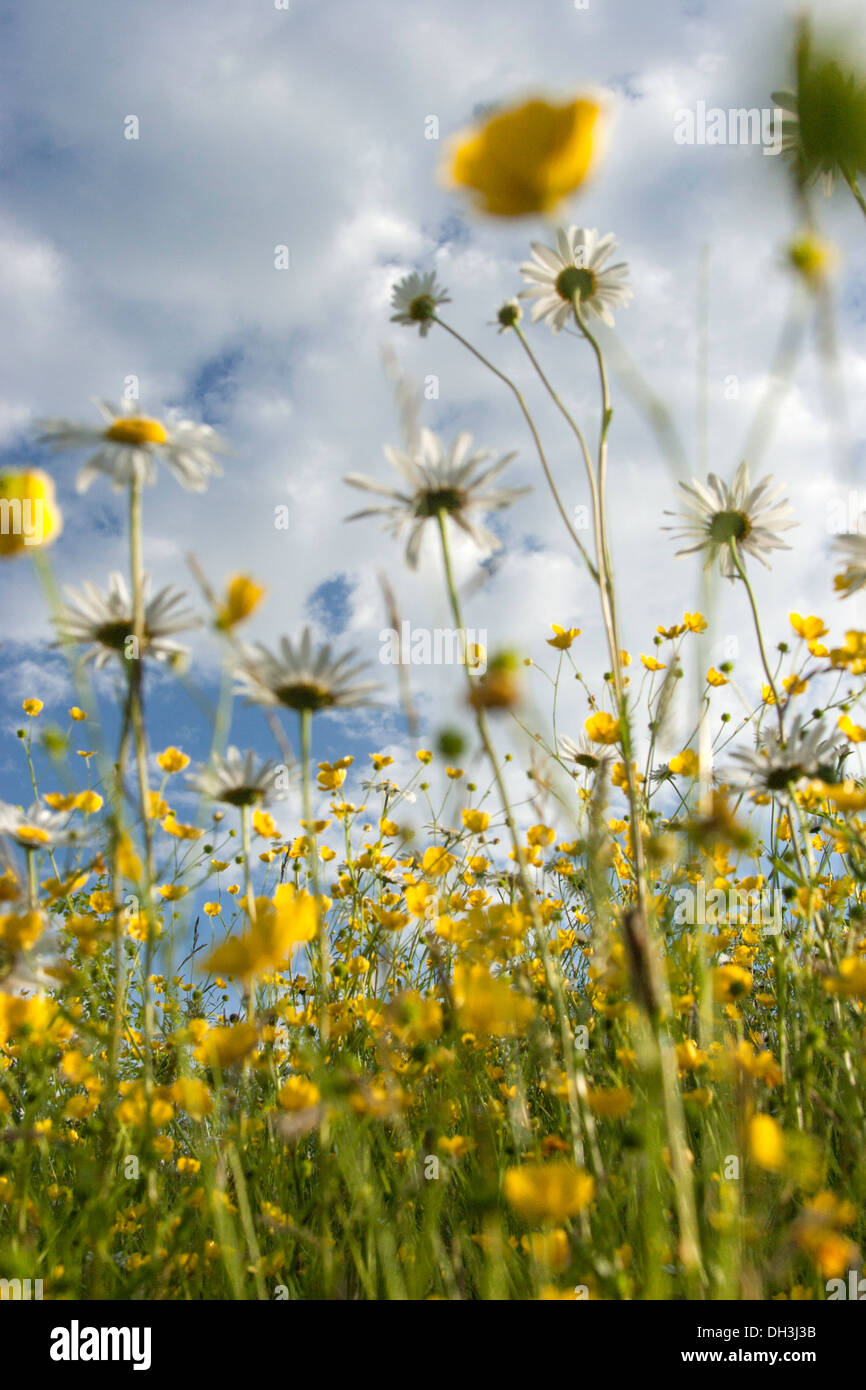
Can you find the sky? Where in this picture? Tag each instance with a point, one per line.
(306, 127)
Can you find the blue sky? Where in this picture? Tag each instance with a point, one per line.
(261, 127)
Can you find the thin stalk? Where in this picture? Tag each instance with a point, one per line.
(552, 975)
(738, 565)
(515, 390)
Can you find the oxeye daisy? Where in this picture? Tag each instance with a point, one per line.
(438, 480)
(717, 514)
(31, 972)
(35, 828)
(575, 273)
(301, 677)
(237, 780)
(131, 443)
(103, 623)
(852, 550)
(583, 753)
(416, 299)
(778, 764)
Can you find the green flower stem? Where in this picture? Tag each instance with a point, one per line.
(515, 390)
(569, 418)
(246, 848)
(609, 615)
(135, 669)
(690, 1249)
(306, 722)
(738, 565)
(552, 974)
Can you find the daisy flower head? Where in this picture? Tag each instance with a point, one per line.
(509, 315)
(583, 753)
(416, 298)
(35, 828)
(823, 128)
(778, 764)
(238, 780)
(852, 551)
(438, 479)
(130, 444)
(575, 275)
(103, 623)
(302, 677)
(717, 514)
(30, 973)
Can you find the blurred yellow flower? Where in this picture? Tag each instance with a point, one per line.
(488, 1005)
(527, 158)
(548, 1192)
(766, 1142)
(686, 763)
(225, 1047)
(29, 515)
(242, 598)
(280, 924)
(731, 982)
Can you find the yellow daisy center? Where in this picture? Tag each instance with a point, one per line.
(33, 834)
(137, 429)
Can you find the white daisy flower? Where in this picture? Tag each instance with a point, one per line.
(777, 764)
(576, 269)
(439, 480)
(131, 444)
(237, 780)
(852, 550)
(416, 299)
(37, 827)
(103, 623)
(584, 753)
(718, 514)
(31, 973)
(301, 678)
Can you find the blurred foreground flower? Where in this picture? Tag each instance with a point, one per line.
(717, 514)
(824, 125)
(278, 927)
(242, 598)
(130, 445)
(439, 480)
(35, 828)
(29, 514)
(574, 275)
(812, 258)
(528, 158)
(547, 1192)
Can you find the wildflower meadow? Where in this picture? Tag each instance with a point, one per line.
(556, 995)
